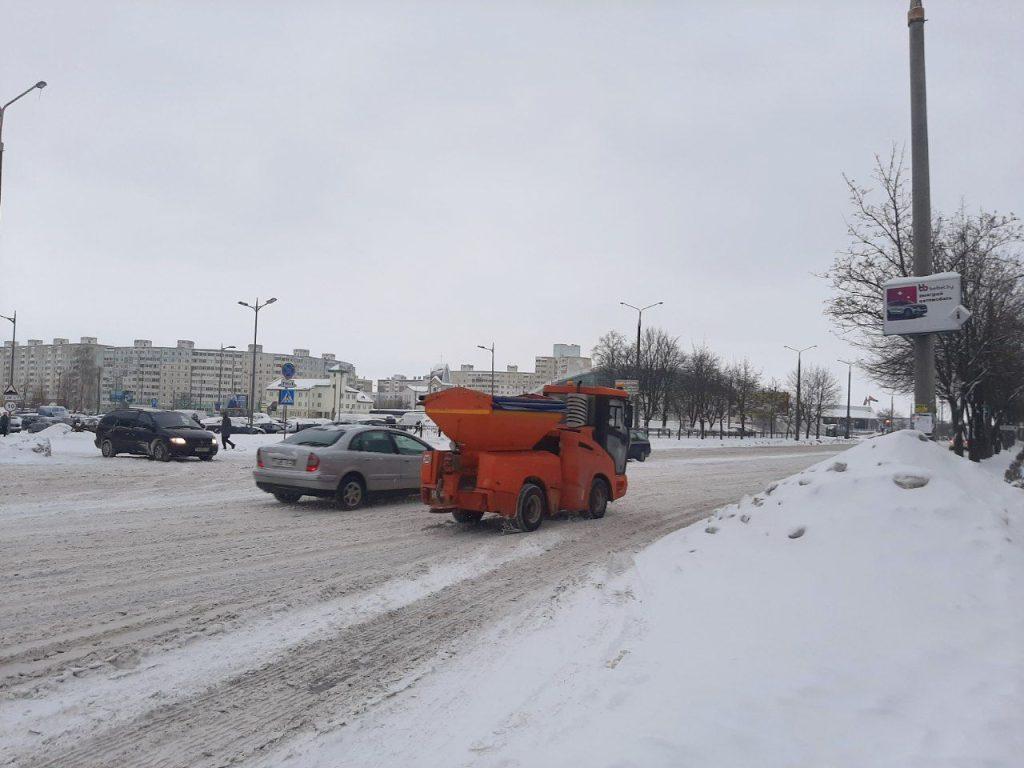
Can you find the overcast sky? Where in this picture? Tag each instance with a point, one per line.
(413, 179)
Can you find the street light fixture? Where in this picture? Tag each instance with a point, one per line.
(255, 329)
(14, 339)
(639, 316)
(491, 350)
(849, 383)
(220, 373)
(40, 85)
(799, 352)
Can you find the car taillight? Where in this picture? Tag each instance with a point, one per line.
(259, 458)
(312, 463)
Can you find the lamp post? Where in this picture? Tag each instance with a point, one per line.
(491, 350)
(220, 373)
(639, 316)
(799, 352)
(40, 85)
(14, 338)
(255, 329)
(849, 382)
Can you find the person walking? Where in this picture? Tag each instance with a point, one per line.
(225, 432)
(5, 423)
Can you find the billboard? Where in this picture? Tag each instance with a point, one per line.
(927, 304)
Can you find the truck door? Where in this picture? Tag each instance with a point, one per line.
(611, 431)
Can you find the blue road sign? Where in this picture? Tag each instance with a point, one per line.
(129, 398)
(286, 397)
(288, 370)
(116, 396)
(153, 402)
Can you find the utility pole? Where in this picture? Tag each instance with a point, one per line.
(14, 341)
(924, 344)
(849, 384)
(255, 330)
(491, 350)
(799, 381)
(220, 373)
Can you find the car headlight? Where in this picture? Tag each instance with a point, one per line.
(213, 440)
(178, 440)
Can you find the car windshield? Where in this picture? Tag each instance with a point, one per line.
(316, 436)
(170, 420)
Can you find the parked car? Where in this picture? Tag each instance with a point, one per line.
(639, 446)
(34, 422)
(161, 435)
(343, 462)
(58, 412)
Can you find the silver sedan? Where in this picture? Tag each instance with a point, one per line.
(344, 462)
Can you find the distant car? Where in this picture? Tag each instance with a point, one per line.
(34, 422)
(639, 446)
(904, 309)
(343, 462)
(161, 435)
(58, 412)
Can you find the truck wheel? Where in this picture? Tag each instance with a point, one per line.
(598, 501)
(107, 449)
(159, 451)
(530, 508)
(467, 516)
(351, 492)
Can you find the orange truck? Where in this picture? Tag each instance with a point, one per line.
(527, 457)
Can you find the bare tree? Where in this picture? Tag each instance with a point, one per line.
(976, 367)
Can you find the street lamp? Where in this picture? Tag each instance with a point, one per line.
(639, 316)
(849, 383)
(220, 373)
(491, 350)
(255, 328)
(40, 85)
(798, 353)
(14, 338)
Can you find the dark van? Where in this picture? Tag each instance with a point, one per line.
(161, 435)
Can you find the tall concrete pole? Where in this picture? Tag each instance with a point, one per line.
(924, 345)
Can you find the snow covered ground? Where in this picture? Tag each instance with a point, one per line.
(866, 611)
(174, 615)
(713, 441)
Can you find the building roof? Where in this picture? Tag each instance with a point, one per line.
(856, 412)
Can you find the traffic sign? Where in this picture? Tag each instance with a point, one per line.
(288, 370)
(129, 398)
(10, 393)
(10, 406)
(632, 386)
(286, 396)
(153, 402)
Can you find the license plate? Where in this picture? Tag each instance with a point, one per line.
(203, 449)
(283, 462)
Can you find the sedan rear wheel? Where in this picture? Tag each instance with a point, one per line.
(107, 449)
(351, 493)
(287, 497)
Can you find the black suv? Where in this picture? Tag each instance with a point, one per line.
(161, 435)
(639, 445)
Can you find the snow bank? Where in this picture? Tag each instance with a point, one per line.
(867, 611)
(26, 447)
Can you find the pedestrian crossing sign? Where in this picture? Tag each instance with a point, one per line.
(286, 397)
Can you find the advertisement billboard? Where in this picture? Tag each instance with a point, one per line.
(928, 304)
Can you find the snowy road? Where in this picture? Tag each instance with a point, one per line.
(173, 615)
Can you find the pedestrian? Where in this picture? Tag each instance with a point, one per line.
(5, 423)
(225, 432)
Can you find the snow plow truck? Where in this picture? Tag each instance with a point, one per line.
(527, 457)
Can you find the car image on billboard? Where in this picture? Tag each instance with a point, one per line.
(901, 303)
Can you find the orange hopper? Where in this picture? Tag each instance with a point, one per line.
(478, 422)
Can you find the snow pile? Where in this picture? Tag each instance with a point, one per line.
(24, 446)
(866, 611)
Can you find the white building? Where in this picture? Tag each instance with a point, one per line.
(565, 361)
(322, 398)
(862, 418)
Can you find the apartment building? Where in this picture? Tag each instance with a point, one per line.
(83, 373)
(565, 361)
